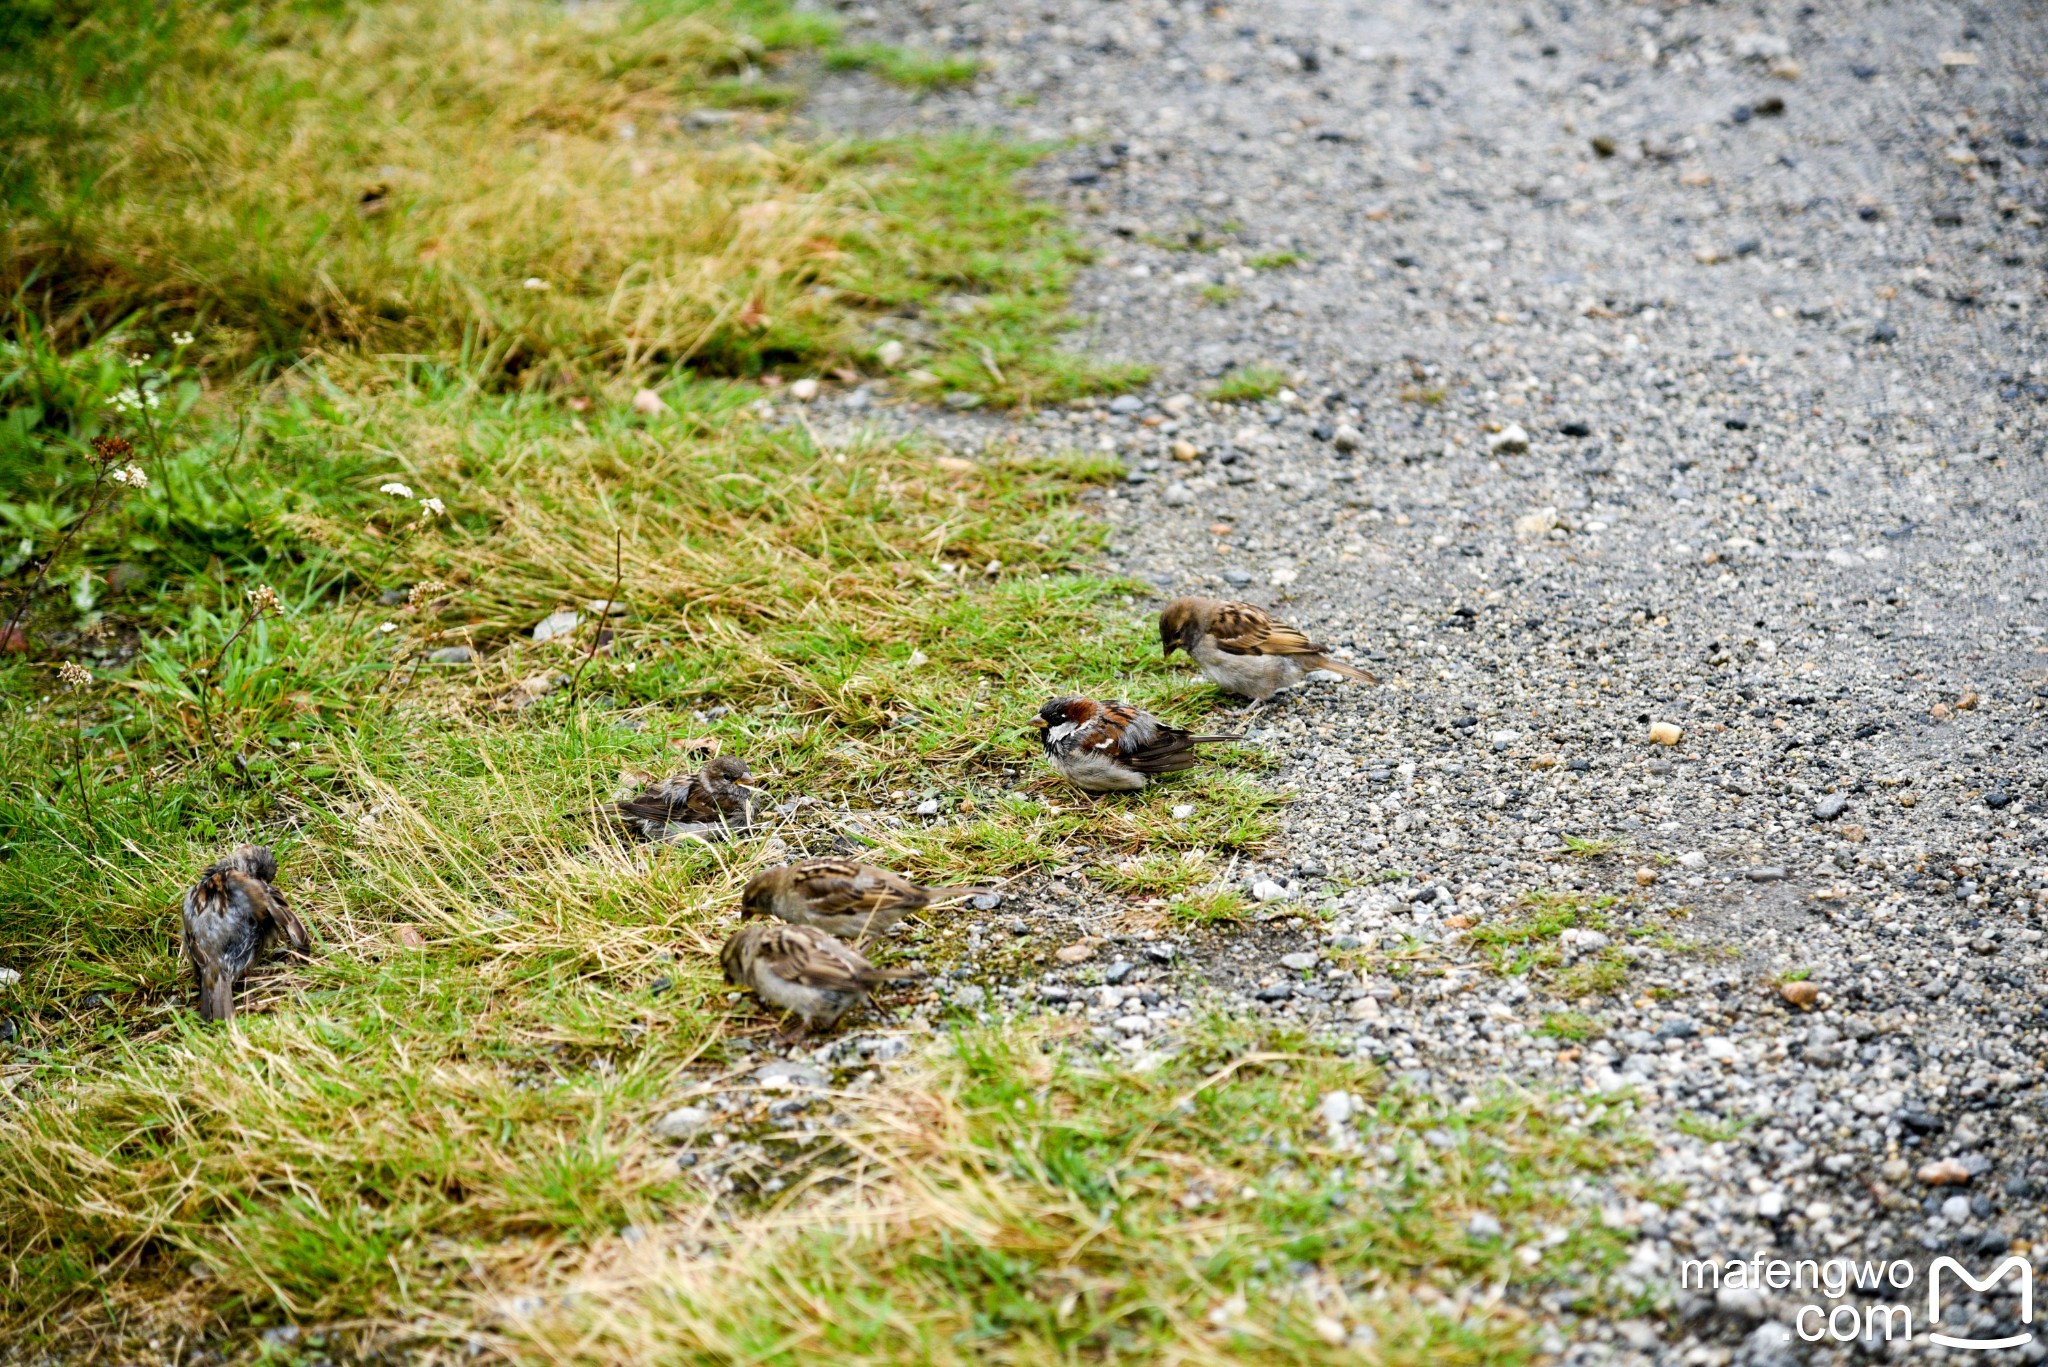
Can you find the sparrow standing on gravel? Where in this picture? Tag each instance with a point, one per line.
(1113, 747)
(815, 976)
(231, 915)
(714, 803)
(1242, 649)
(852, 900)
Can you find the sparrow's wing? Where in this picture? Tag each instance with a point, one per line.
(288, 923)
(799, 954)
(1144, 742)
(668, 800)
(1241, 629)
(839, 887)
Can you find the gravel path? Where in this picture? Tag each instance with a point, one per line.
(1676, 365)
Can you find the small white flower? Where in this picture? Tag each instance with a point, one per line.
(131, 476)
(534, 282)
(131, 400)
(432, 507)
(395, 489)
(181, 339)
(263, 600)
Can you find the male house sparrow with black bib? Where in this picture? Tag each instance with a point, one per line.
(231, 915)
(1242, 649)
(853, 900)
(1111, 746)
(815, 976)
(709, 805)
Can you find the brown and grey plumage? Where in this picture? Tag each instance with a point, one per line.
(1243, 650)
(232, 914)
(849, 899)
(813, 975)
(709, 805)
(1111, 746)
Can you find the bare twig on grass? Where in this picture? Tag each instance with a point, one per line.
(597, 632)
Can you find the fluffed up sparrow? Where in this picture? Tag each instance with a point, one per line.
(1113, 747)
(1242, 649)
(706, 806)
(231, 915)
(852, 900)
(815, 976)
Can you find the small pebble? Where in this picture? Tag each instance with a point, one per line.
(1510, 440)
(1801, 994)
(1266, 890)
(1944, 1172)
(1666, 732)
(1298, 962)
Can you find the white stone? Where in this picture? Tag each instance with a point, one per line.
(1770, 1205)
(556, 624)
(1183, 811)
(1266, 890)
(1298, 962)
(1133, 1025)
(1693, 859)
(890, 353)
(1483, 1226)
(9, 976)
(1508, 440)
(1337, 1108)
(1536, 523)
(804, 390)
(1347, 438)
(649, 403)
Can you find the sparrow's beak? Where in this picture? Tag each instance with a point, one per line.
(1039, 722)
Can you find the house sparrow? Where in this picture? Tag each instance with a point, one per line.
(803, 970)
(709, 805)
(231, 914)
(1113, 747)
(856, 901)
(1242, 650)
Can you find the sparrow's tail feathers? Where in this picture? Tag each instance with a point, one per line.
(1348, 671)
(874, 976)
(216, 995)
(1214, 740)
(960, 894)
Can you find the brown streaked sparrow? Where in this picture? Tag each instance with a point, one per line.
(1111, 746)
(1243, 650)
(853, 900)
(709, 806)
(813, 975)
(231, 915)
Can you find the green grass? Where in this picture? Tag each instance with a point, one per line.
(1590, 847)
(1273, 261)
(1025, 1201)
(1249, 384)
(1572, 1026)
(1713, 1129)
(904, 67)
(1220, 295)
(289, 179)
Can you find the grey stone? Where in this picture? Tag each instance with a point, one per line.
(1830, 807)
(786, 1075)
(1298, 962)
(682, 1122)
(451, 655)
